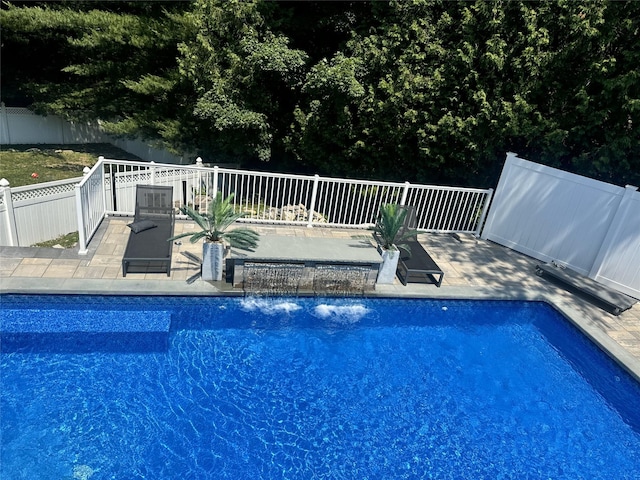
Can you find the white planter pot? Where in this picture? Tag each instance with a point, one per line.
(388, 267)
(212, 261)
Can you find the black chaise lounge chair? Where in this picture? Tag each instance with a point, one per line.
(614, 301)
(417, 266)
(147, 249)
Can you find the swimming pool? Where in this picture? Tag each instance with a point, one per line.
(321, 388)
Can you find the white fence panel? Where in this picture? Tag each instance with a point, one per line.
(554, 215)
(43, 212)
(618, 264)
(21, 126)
(355, 203)
(265, 197)
(90, 205)
(448, 209)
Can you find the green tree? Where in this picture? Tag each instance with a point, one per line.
(118, 66)
(421, 90)
(449, 87)
(243, 75)
(588, 97)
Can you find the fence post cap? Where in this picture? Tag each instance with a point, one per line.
(85, 170)
(101, 158)
(4, 182)
(199, 161)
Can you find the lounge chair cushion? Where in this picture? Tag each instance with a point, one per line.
(141, 226)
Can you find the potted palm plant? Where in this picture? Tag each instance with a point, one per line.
(213, 229)
(390, 232)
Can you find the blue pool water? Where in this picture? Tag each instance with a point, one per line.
(229, 388)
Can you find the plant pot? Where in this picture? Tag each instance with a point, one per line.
(212, 261)
(389, 265)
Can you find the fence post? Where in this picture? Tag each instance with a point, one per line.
(197, 189)
(12, 231)
(5, 131)
(152, 177)
(314, 193)
(405, 192)
(103, 187)
(215, 181)
(483, 215)
(103, 184)
(82, 236)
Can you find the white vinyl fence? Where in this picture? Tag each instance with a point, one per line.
(591, 227)
(37, 213)
(273, 198)
(20, 126)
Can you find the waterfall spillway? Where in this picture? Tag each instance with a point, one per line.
(272, 278)
(262, 278)
(342, 280)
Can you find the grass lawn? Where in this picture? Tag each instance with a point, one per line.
(18, 163)
(69, 240)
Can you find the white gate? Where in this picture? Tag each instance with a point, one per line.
(592, 227)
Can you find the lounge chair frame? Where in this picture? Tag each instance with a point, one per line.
(415, 266)
(614, 301)
(149, 251)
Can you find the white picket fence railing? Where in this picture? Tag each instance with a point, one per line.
(543, 212)
(274, 198)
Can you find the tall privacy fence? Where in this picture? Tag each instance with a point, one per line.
(590, 226)
(266, 198)
(20, 126)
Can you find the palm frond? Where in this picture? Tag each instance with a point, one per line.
(214, 223)
(242, 238)
(390, 222)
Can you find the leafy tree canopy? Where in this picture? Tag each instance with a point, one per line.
(422, 90)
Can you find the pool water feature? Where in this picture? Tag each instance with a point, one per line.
(309, 388)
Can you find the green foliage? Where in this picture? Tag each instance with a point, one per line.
(110, 64)
(449, 87)
(324, 132)
(69, 240)
(420, 90)
(242, 72)
(389, 227)
(214, 224)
